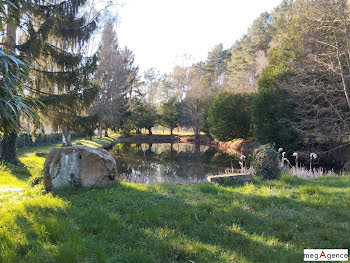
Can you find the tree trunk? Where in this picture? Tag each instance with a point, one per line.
(171, 131)
(66, 137)
(8, 148)
(106, 132)
(197, 149)
(10, 38)
(196, 134)
(150, 131)
(342, 75)
(99, 132)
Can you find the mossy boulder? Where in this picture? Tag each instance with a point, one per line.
(78, 166)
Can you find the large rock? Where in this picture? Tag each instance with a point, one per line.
(78, 166)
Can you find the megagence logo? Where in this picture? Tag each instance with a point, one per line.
(326, 255)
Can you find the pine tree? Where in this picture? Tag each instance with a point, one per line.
(119, 81)
(110, 103)
(249, 55)
(54, 38)
(215, 69)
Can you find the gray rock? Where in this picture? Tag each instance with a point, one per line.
(234, 177)
(78, 166)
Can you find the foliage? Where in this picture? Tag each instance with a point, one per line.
(14, 71)
(214, 70)
(304, 91)
(152, 85)
(179, 222)
(55, 37)
(265, 162)
(8, 13)
(271, 111)
(171, 114)
(248, 55)
(229, 116)
(118, 78)
(144, 115)
(86, 125)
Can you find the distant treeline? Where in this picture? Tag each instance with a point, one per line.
(40, 139)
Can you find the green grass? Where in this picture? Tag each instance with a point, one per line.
(258, 222)
(96, 142)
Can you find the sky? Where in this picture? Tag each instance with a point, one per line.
(165, 33)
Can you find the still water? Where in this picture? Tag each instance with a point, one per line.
(165, 162)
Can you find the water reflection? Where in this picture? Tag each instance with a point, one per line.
(165, 162)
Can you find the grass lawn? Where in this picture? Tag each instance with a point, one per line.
(96, 142)
(258, 222)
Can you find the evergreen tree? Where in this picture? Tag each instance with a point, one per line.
(55, 35)
(171, 114)
(214, 70)
(112, 78)
(119, 80)
(249, 55)
(271, 111)
(229, 116)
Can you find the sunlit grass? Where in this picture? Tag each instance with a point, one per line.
(263, 221)
(96, 142)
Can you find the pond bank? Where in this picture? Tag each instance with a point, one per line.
(149, 139)
(239, 146)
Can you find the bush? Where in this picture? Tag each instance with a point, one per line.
(229, 116)
(265, 162)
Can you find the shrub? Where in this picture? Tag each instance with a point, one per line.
(229, 116)
(265, 162)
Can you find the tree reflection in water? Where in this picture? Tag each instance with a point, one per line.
(165, 162)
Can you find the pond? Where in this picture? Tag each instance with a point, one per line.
(171, 163)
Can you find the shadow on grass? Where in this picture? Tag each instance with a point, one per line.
(129, 223)
(309, 215)
(20, 171)
(174, 223)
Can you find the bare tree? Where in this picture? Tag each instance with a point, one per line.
(193, 109)
(319, 90)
